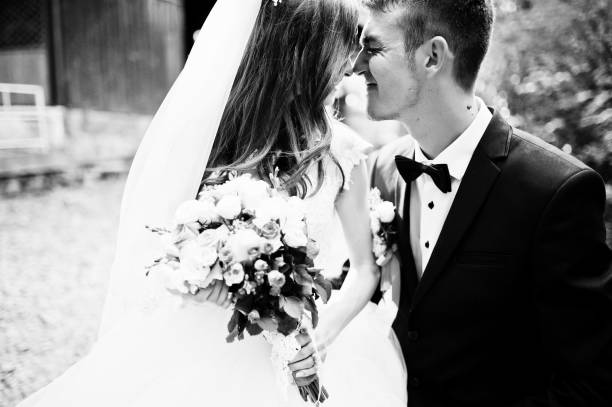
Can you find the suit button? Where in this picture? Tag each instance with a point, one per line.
(413, 336)
(414, 381)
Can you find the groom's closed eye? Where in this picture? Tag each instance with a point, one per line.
(371, 44)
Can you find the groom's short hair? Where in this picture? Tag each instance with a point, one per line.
(465, 24)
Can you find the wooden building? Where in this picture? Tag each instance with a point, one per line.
(109, 55)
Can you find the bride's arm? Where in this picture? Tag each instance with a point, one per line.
(363, 276)
(361, 281)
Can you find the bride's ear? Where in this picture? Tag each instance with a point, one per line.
(437, 55)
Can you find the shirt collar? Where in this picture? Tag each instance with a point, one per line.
(459, 153)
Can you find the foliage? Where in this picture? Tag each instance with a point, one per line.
(551, 74)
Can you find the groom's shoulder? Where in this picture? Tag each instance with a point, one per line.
(541, 161)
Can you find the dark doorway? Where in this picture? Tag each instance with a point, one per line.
(195, 14)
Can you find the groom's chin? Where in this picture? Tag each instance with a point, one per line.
(377, 114)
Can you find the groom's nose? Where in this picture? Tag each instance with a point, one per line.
(361, 65)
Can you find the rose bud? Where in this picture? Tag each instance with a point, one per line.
(261, 265)
(235, 275)
(276, 279)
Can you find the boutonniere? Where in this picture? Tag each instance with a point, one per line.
(382, 225)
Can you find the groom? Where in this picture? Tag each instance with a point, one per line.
(506, 291)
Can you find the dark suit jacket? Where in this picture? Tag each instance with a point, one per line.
(515, 305)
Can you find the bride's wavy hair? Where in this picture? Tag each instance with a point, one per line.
(275, 117)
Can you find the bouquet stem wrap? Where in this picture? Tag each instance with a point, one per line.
(284, 349)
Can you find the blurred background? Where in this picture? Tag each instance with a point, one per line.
(80, 79)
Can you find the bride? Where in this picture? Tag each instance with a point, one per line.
(252, 99)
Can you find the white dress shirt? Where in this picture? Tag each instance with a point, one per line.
(429, 206)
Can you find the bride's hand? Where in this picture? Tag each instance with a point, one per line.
(217, 292)
(304, 365)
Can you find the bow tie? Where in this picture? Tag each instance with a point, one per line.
(411, 170)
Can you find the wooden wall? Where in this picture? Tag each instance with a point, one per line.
(119, 55)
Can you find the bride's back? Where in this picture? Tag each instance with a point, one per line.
(275, 116)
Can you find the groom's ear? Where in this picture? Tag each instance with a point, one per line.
(437, 55)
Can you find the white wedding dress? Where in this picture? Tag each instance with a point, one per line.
(165, 355)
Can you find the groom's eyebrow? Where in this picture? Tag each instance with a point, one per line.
(368, 39)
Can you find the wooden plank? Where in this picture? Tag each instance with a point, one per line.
(121, 55)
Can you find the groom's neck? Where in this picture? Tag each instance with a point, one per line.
(439, 118)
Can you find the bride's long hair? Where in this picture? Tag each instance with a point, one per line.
(276, 115)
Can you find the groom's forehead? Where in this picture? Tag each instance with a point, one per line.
(381, 28)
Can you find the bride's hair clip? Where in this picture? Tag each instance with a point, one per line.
(276, 2)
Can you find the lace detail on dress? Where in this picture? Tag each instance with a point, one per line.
(348, 148)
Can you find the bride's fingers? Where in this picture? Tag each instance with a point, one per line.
(214, 295)
(304, 353)
(306, 372)
(228, 301)
(302, 365)
(222, 297)
(202, 294)
(303, 338)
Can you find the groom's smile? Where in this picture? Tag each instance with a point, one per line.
(389, 73)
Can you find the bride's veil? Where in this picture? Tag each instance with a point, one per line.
(172, 156)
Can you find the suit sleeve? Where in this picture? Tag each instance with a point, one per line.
(573, 292)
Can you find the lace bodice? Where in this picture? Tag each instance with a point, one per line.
(323, 224)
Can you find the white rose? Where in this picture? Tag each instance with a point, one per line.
(229, 206)
(385, 211)
(291, 225)
(242, 242)
(276, 279)
(196, 256)
(269, 246)
(208, 237)
(222, 233)
(206, 196)
(229, 187)
(195, 211)
(295, 237)
(253, 193)
(379, 246)
(271, 209)
(199, 277)
(235, 275)
(374, 223)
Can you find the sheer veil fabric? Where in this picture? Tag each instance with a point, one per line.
(173, 154)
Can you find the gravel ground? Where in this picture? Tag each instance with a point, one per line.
(55, 254)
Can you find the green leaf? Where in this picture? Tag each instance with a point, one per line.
(268, 324)
(232, 336)
(233, 322)
(254, 329)
(301, 275)
(314, 311)
(323, 287)
(293, 306)
(287, 325)
(245, 304)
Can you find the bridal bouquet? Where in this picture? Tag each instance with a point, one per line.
(254, 239)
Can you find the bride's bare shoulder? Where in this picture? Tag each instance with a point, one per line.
(346, 140)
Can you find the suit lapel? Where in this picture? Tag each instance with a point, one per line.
(473, 191)
(409, 278)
